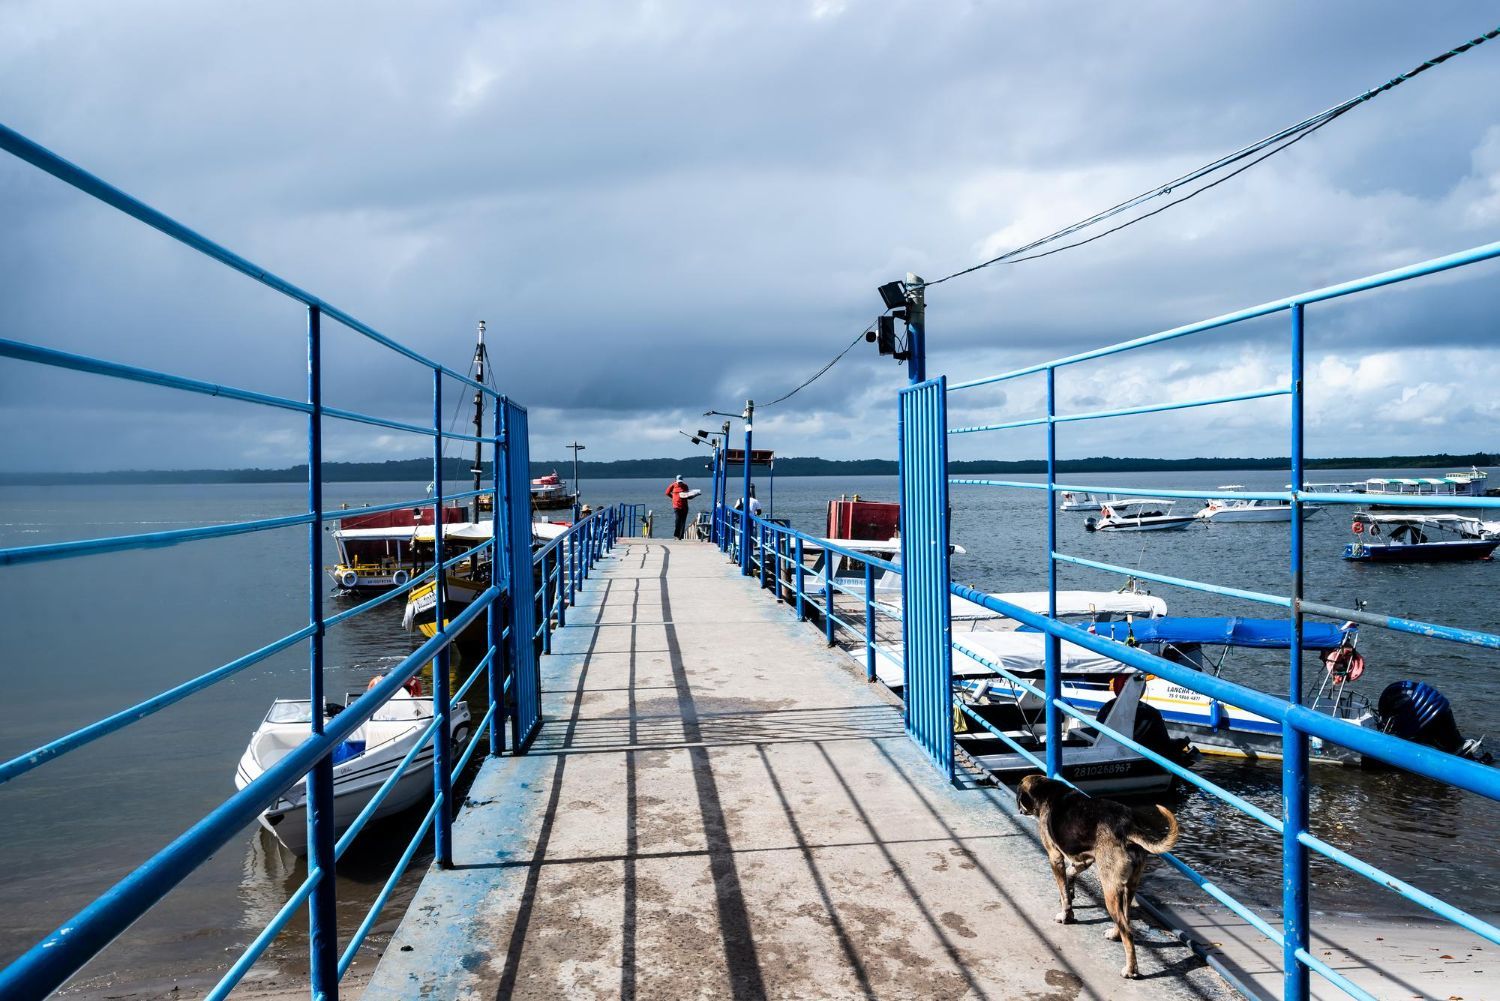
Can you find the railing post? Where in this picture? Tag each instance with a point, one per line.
(1294, 795)
(498, 563)
(546, 590)
(322, 905)
(1053, 684)
(797, 572)
(869, 623)
(778, 576)
(560, 573)
(761, 533)
(570, 547)
(442, 746)
(828, 595)
(745, 514)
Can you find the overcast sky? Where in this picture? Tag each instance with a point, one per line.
(663, 208)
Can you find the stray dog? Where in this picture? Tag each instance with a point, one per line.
(1078, 831)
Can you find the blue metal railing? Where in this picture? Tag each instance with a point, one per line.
(1298, 722)
(561, 567)
(758, 543)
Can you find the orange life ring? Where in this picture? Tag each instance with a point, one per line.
(1358, 527)
(1344, 664)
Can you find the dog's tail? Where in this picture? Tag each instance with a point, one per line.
(1153, 817)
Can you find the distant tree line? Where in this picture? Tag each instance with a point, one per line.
(420, 470)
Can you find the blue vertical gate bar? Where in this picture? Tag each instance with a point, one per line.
(322, 913)
(1053, 676)
(499, 579)
(525, 672)
(442, 764)
(1294, 793)
(745, 499)
(924, 564)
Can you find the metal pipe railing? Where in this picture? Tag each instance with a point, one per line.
(48, 964)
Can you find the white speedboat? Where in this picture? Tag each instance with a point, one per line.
(1080, 502)
(1144, 514)
(361, 764)
(1249, 510)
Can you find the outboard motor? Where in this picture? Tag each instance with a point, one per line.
(1415, 711)
(1152, 734)
(1090, 524)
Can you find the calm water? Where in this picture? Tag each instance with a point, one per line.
(83, 639)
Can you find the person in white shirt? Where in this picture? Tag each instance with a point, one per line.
(754, 504)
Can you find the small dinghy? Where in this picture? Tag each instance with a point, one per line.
(361, 764)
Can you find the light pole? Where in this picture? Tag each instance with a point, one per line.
(577, 494)
(745, 514)
(720, 485)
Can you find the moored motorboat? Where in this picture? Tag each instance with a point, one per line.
(376, 551)
(549, 493)
(1071, 501)
(1145, 514)
(1214, 727)
(1091, 760)
(1249, 510)
(1420, 538)
(1456, 485)
(361, 764)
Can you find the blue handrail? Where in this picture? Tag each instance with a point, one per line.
(1299, 722)
(48, 964)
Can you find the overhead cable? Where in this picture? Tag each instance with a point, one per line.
(1275, 142)
(820, 372)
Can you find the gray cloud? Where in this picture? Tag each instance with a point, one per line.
(662, 208)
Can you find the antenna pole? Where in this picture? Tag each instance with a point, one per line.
(478, 469)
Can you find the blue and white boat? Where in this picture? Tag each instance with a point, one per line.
(1212, 727)
(1421, 538)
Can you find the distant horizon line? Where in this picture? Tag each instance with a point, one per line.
(455, 468)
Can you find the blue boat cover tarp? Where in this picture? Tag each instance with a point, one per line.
(1275, 634)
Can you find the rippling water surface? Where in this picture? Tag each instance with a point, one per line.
(86, 638)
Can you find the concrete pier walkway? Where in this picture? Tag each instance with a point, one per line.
(719, 806)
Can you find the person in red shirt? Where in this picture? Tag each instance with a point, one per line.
(675, 490)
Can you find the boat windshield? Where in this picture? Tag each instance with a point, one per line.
(290, 711)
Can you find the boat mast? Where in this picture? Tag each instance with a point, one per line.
(478, 469)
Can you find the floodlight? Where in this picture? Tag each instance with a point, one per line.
(887, 335)
(893, 294)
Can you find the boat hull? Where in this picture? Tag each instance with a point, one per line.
(357, 780)
(1421, 552)
(289, 824)
(421, 613)
(1213, 728)
(1169, 524)
(551, 503)
(366, 579)
(1252, 515)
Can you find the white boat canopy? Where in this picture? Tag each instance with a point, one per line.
(1421, 519)
(460, 531)
(888, 547)
(1141, 501)
(1025, 654)
(1070, 604)
(395, 533)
